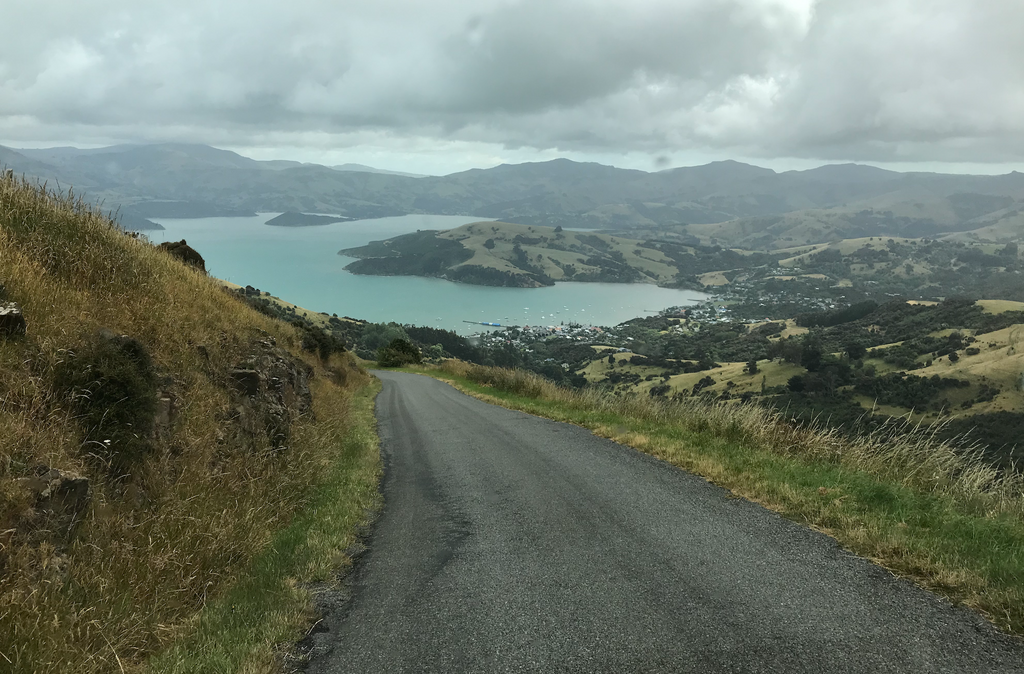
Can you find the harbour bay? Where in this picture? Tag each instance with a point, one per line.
(301, 265)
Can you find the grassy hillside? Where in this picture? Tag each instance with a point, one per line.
(500, 253)
(504, 254)
(955, 365)
(958, 217)
(156, 434)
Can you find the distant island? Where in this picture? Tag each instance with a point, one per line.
(294, 219)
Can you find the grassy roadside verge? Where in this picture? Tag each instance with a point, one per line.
(904, 500)
(243, 629)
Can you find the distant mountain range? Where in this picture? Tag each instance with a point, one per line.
(727, 202)
(363, 168)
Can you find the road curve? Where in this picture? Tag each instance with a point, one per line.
(510, 543)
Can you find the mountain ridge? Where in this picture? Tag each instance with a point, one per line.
(680, 202)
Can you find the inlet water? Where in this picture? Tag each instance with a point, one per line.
(301, 265)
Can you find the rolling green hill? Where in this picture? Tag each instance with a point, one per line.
(505, 254)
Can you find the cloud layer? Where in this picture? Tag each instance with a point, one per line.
(901, 80)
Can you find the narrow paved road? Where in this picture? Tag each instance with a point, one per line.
(510, 543)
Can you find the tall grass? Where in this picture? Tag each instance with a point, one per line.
(156, 546)
(918, 505)
(898, 452)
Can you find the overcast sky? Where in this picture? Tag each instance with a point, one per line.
(440, 86)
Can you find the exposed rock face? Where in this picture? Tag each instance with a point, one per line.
(166, 407)
(12, 321)
(271, 390)
(185, 253)
(58, 501)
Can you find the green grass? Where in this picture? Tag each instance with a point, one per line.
(904, 501)
(244, 629)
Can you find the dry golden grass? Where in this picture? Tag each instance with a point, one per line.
(153, 548)
(560, 247)
(1000, 306)
(911, 457)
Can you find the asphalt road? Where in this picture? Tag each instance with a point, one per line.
(510, 543)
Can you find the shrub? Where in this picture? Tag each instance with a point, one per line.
(376, 336)
(317, 340)
(111, 384)
(398, 353)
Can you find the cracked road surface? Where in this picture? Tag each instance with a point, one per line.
(510, 543)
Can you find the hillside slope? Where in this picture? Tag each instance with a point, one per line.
(155, 432)
(506, 254)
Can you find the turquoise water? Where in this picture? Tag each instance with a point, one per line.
(301, 265)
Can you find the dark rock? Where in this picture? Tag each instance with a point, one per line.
(166, 407)
(272, 390)
(185, 253)
(246, 382)
(64, 492)
(164, 413)
(12, 321)
(59, 500)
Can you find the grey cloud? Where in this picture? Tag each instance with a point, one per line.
(936, 80)
(540, 54)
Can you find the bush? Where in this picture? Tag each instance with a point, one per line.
(398, 353)
(317, 340)
(111, 384)
(376, 336)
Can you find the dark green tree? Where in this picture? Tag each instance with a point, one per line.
(398, 353)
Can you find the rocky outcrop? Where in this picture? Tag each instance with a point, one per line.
(271, 390)
(12, 321)
(57, 502)
(185, 253)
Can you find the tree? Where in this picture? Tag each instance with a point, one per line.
(855, 350)
(953, 357)
(751, 367)
(398, 353)
(489, 244)
(378, 335)
(810, 357)
(702, 384)
(434, 352)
